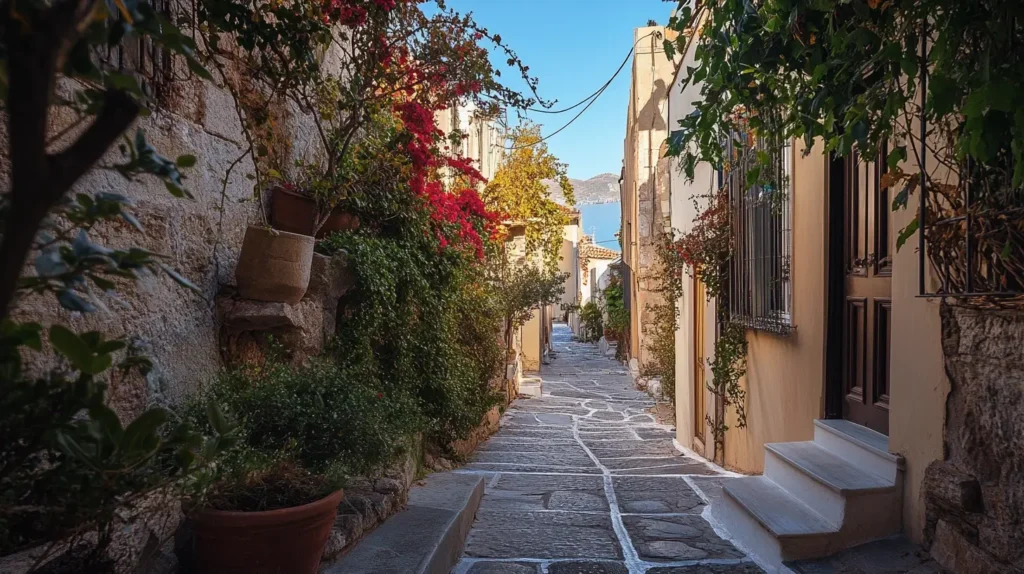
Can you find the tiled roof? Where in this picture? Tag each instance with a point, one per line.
(590, 250)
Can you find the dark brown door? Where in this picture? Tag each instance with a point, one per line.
(867, 311)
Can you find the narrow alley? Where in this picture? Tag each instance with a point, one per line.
(584, 481)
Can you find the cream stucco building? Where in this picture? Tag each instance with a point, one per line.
(643, 195)
(830, 326)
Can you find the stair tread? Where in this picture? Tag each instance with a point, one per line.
(829, 469)
(861, 435)
(775, 509)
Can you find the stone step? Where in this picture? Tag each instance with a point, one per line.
(822, 480)
(859, 445)
(425, 538)
(771, 523)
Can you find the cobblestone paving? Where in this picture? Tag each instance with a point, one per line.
(583, 481)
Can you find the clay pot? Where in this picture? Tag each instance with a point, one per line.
(296, 213)
(274, 265)
(285, 541)
(610, 335)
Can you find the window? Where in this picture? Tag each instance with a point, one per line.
(760, 282)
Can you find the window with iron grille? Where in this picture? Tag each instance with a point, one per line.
(760, 281)
(153, 66)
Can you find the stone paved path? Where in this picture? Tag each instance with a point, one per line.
(583, 481)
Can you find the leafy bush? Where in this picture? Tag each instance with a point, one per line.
(592, 323)
(67, 464)
(521, 289)
(419, 322)
(315, 423)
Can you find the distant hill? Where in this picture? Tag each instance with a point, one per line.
(603, 188)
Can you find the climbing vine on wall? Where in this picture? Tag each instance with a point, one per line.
(727, 368)
(666, 279)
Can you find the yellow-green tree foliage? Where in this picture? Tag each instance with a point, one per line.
(519, 191)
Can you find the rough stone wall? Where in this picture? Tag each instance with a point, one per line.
(975, 497)
(199, 237)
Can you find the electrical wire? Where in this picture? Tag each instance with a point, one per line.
(589, 99)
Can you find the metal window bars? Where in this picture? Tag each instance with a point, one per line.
(760, 269)
(154, 66)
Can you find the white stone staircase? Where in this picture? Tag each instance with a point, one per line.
(816, 497)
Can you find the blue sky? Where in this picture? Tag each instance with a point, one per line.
(573, 46)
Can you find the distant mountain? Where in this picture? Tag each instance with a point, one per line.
(603, 188)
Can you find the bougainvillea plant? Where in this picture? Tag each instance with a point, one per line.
(341, 63)
(706, 247)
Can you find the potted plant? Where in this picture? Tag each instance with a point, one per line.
(274, 265)
(271, 516)
(270, 505)
(294, 211)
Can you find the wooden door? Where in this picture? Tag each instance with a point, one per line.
(867, 311)
(699, 361)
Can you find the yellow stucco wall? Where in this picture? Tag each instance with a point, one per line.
(917, 378)
(531, 335)
(785, 375)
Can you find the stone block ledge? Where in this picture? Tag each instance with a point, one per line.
(427, 537)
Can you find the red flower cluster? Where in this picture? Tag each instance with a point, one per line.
(459, 218)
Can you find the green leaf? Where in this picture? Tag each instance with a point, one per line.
(174, 189)
(74, 450)
(142, 431)
(670, 49)
(909, 65)
(179, 279)
(74, 302)
(217, 419)
(943, 94)
(124, 82)
(895, 156)
(187, 160)
(107, 420)
(72, 347)
(900, 200)
(1000, 95)
(906, 233)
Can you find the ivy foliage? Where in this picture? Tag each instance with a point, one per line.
(420, 323)
(727, 368)
(519, 190)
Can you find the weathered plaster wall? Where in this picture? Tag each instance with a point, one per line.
(644, 202)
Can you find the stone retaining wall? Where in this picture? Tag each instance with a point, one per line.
(975, 497)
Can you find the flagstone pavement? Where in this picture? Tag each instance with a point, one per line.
(583, 481)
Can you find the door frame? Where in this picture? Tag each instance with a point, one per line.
(835, 284)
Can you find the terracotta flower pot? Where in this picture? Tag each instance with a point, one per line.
(285, 541)
(274, 265)
(610, 335)
(296, 213)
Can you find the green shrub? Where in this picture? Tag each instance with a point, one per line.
(314, 422)
(591, 319)
(421, 323)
